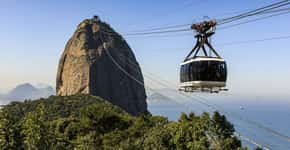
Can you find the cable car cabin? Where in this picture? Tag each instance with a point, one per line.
(203, 74)
(206, 72)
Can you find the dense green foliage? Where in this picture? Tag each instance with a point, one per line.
(88, 123)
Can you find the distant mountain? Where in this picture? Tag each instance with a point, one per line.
(41, 85)
(28, 91)
(159, 98)
(2, 101)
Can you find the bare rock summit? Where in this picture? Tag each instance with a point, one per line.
(98, 61)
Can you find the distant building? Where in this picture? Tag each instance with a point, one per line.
(96, 18)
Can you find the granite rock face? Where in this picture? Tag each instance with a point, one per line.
(98, 61)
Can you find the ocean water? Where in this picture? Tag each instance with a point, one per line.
(4, 101)
(260, 119)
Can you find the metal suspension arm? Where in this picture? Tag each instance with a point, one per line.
(201, 44)
(212, 49)
(194, 48)
(204, 31)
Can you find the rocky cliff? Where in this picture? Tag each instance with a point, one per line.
(98, 61)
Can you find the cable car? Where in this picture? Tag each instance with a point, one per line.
(207, 72)
(204, 73)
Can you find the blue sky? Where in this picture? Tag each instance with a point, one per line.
(34, 33)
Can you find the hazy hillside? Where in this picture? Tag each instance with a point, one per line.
(28, 91)
(88, 122)
(157, 98)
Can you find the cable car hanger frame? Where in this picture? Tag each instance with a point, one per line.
(204, 31)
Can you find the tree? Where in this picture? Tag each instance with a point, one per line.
(220, 126)
(221, 133)
(10, 137)
(102, 119)
(35, 131)
(88, 123)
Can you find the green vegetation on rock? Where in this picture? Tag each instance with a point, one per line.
(87, 123)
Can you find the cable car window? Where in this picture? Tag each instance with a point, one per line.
(182, 73)
(190, 72)
(203, 71)
(186, 72)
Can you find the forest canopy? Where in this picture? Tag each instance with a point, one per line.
(91, 123)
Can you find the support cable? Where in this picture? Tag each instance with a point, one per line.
(141, 83)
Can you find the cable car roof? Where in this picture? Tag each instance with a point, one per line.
(203, 59)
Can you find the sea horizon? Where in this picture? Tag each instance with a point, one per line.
(266, 112)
